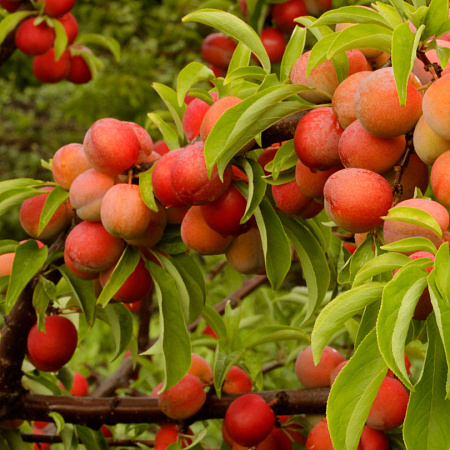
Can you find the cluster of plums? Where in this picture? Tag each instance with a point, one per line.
(35, 36)
(217, 48)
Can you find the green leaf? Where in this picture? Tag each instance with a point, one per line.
(277, 251)
(442, 317)
(8, 246)
(235, 27)
(43, 294)
(215, 321)
(223, 362)
(294, 50)
(55, 199)
(368, 321)
(404, 49)
(256, 187)
(124, 268)
(28, 261)
(441, 271)
(381, 264)
(361, 36)
(315, 269)
(83, 293)
(414, 216)
(61, 39)
(252, 72)
(436, 16)
(399, 300)
(389, 13)
(443, 54)
(351, 14)
(190, 75)
(170, 136)
(332, 318)
(416, 16)
(169, 97)
(353, 393)
(428, 411)
(15, 197)
(285, 158)
(11, 21)
(99, 39)
(59, 421)
(120, 319)
(319, 52)
(240, 59)
(18, 183)
(146, 189)
(413, 244)
(190, 271)
(14, 440)
(318, 32)
(241, 123)
(92, 440)
(176, 344)
(273, 333)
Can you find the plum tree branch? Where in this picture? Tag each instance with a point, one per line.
(94, 412)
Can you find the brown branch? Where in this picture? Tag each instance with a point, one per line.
(282, 130)
(434, 68)
(397, 188)
(94, 412)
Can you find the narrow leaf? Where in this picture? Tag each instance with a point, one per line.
(436, 16)
(54, 200)
(428, 412)
(413, 244)
(146, 189)
(170, 136)
(399, 300)
(277, 251)
(351, 14)
(240, 59)
(353, 393)
(273, 333)
(215, 321)
(11, 21)
(235, 27)
(315, 269)
(119, 318)
(336, 313)
(294, 50)
(61, 39)
(105, 41)
(190, 75)
(176, 344)
(29, 259)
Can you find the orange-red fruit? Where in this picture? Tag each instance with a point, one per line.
(189, 177)
(90, 248)
(311, 375)
(360, 149)
(436, 107)
(70, 25)
(249, 420)
(440, 182)
(123, 212)
(80, 385)
(34, 39)
(217, 49)
(145, 143)
(199, 236)
(52, 349)
(87, 192)
(169, 434)
(30, 213)
(193, 116)
(316, 139)
(111, 146)
(224, 214)
(284, 13)
(135, 287)
(49, 70)
(290, 199)
(389, 407)
(57, 8)
(236, 381)
(246, 254)
(79, 72)
(394, 230)
(214, 113)
(201, 369)
(287, 433)
(356, 199)
(324, 77)
(274, 43)
(184, 399)
(10, 5)
(311, 183)
(161, 147)
(343, 102)
(68, 162)
(378, 107)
